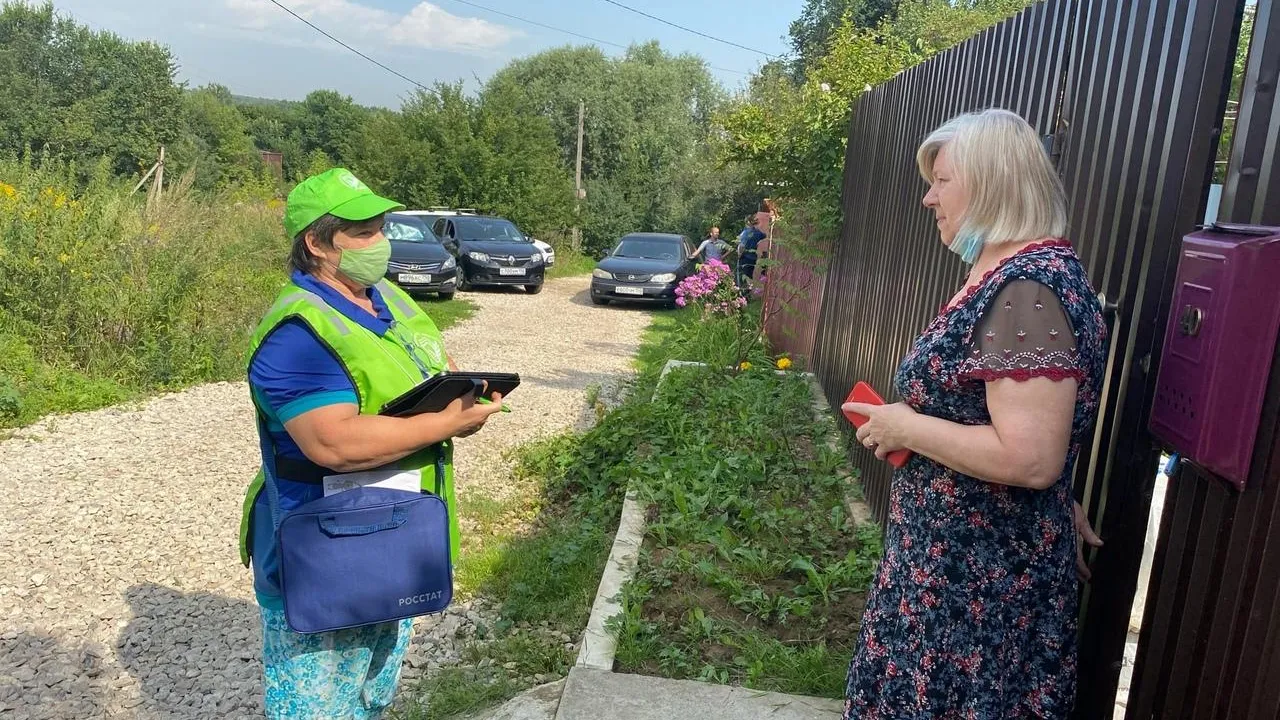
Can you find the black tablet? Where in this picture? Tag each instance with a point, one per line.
(435, 393)
(431, 395)
(493, 382)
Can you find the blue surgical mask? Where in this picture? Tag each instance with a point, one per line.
(968, 245)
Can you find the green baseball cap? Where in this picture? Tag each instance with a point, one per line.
(334, 192)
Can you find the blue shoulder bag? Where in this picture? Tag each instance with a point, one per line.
(362, 556)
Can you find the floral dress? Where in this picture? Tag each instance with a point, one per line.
(973, 611)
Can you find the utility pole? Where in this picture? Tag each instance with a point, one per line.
(578, 194)
(157, 186)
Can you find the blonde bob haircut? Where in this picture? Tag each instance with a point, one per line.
(1014, 193)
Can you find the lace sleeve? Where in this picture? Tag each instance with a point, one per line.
(1024, 334)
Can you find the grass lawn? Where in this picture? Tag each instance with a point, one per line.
(570, 264)
(447, 313)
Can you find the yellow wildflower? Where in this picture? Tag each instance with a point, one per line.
(744, 366)
(8, 190)
(784, 363)
(63, 258)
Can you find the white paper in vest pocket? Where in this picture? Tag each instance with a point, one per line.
(408, 480)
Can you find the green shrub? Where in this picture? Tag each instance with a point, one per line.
(125, 298)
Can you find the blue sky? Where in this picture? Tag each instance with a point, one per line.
(255, 48)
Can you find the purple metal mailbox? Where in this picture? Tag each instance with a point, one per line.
(1219, 346)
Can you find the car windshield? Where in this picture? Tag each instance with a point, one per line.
(650, 248)
(406, 228)
(474, 228)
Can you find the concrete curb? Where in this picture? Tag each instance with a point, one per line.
(598, 644)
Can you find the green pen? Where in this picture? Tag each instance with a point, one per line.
(486, 401)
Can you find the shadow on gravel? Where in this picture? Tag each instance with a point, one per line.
(193, 654)
(565, 379)
(584, 299)
(42, 676)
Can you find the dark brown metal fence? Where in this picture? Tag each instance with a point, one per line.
(1129, 94)
(1210, 639)
(793, 293)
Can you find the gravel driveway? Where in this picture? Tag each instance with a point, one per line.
(121, 592)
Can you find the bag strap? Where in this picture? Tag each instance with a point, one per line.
(310, 472)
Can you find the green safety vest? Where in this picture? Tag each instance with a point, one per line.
(380, 368)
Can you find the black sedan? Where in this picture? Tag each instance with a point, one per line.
(419, 263)
(643, 267)
(492, 251)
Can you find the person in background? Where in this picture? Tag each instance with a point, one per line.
(338, 343)
(973, 610)
(765, 220)
(748, 244)
(712, 248)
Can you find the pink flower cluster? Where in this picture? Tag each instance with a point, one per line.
(713, 288)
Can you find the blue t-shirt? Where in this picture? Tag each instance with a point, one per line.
(750, 239)
(292, 373)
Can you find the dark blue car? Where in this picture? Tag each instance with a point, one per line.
(419, 263)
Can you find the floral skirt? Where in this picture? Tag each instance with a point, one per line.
(342, 675)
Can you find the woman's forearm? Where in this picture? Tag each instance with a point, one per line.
(978, 451)
(362, 442)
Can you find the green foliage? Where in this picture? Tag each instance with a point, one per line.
(219, 148)
(752, 572)
(646, 160)
(571, 264)
(128, 301)
(811, 33)
(80, 95)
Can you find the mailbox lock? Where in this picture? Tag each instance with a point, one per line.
(1190, 321)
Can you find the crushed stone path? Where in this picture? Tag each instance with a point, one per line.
(121, 592)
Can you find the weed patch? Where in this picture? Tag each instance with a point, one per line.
(752, 572)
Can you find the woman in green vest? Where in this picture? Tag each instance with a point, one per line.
(338, 343)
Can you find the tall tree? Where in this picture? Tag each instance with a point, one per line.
(811, 33)
(649, 118)
(218, 145)
(81, 94)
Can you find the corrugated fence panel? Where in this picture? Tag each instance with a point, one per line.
(793, 296)
(1211, 635)
(1144, 96)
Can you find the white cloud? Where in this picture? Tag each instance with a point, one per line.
(426, 26)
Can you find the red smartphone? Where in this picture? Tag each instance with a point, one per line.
(864, 393)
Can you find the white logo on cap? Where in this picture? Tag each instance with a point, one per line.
(352, 181)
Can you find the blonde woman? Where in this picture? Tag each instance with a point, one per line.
(973, 611)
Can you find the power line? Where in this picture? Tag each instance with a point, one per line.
(407, 79)
(541, 25)
(574, 34)
(688, 30)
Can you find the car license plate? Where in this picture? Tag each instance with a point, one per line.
(416, 278)
(624, 290)
(510, 271)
